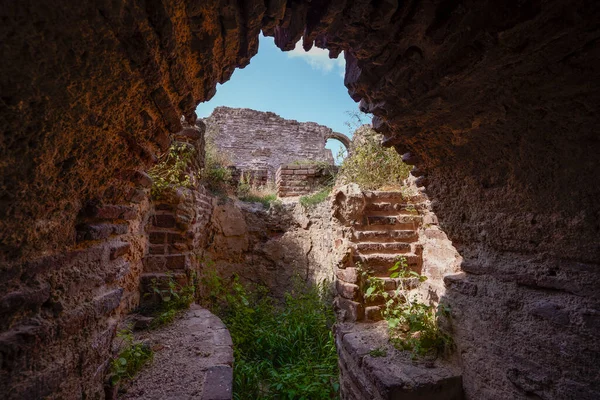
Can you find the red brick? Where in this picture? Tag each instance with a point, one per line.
(154, 263)
(176, 261)
(157, 237)
(157, 249)
(164, 220)
(176, 238)
(119, 249)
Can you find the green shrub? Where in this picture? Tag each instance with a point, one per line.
(172, 170)
(312, 200)
(370, 165)
(131, 358)
(215, 174)
(413, 325)
(281, 351)
(173, 298)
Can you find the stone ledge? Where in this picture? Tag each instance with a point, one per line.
(393, 376)
(193, 360)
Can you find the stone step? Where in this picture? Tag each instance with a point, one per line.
(376, 247)
(392, 207)
(406, 236)
(372, 222)
(384, 195)
(392, 375)
(381, 263)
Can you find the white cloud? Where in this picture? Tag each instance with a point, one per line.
(319, 59)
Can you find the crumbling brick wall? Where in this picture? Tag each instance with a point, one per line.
(257, 140)
(301, 179)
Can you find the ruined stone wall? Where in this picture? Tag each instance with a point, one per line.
(257, 140)
(298, 180)
(59, 313)
(271, 247)
(494, 100)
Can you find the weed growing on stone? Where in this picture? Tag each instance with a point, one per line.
(173, 299)
(370, 165)
(215, 175)
(172, 170)
(282, 351)
(378, 352)
(312, 200)
(413, 325)
(249, 192)
(131, 358)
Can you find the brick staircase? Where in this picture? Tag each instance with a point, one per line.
(168, 255)
(386, 231)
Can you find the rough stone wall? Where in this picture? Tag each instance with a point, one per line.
(270, 247)
(176, 232)
(256, 140)
(297, 180)
(59, 313)
(495, 101)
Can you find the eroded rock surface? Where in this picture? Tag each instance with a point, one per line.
(496, 102)
(272, 247)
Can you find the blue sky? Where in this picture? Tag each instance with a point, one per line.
(305, 86)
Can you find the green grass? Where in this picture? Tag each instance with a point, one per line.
(265, 200)
(312, 200)
(282, 351)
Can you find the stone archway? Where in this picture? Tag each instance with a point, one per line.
(340, 137)
(494, 101)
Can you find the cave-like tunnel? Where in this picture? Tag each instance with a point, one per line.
(495, 102)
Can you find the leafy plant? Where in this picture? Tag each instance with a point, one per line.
(173, 298)
(370, 165)
(215, 175)
(172, 170)
(282, 351)
(356, 119)
(312, 200)
(413, 325)
(131, 358)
